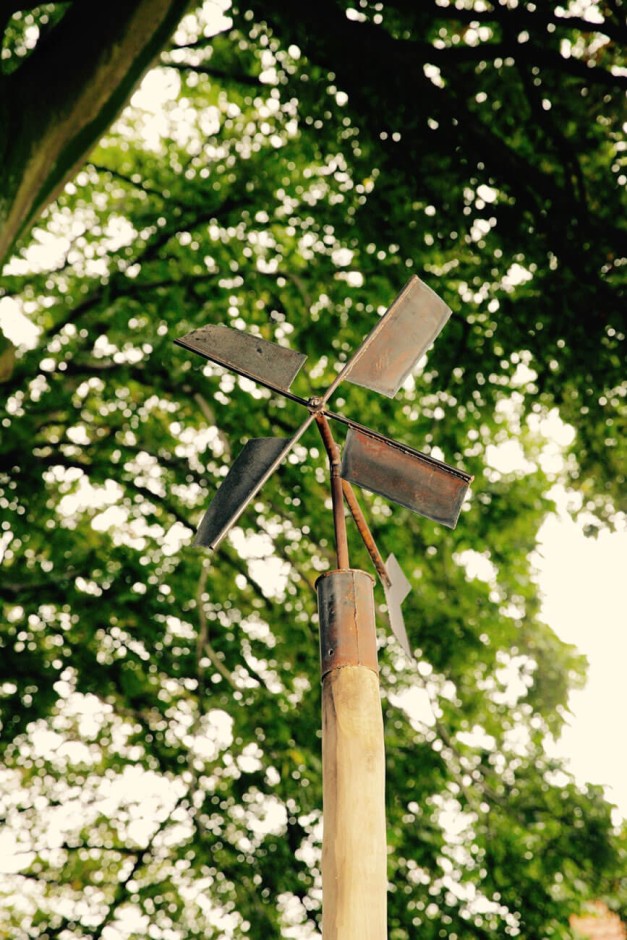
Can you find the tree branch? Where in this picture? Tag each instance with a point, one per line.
(203, 645)
(88, 64)
(221, 74)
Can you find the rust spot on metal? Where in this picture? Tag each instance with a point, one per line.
(414, 480)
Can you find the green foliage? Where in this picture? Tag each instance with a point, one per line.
(23, 29)
(160, 706)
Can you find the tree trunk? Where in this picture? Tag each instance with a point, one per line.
(56, 105)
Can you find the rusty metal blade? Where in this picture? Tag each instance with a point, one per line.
(251, 469)
(395, 594)
(414, 480)
(254, 358)
(254, 465)
(394, 346)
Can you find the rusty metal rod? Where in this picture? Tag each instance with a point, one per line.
(366, 534)
(339, 519)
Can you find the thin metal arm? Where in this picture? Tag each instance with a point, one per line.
(366, 534)
(339, 519)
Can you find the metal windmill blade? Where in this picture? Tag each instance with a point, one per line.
(395, 594)
(252, 467)
(250, 356)
(421, 483)
(403, 334)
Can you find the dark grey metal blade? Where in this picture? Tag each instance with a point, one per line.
(250, 470)
(257, 359)
(394, 346)
(414, 480)
(395, 594)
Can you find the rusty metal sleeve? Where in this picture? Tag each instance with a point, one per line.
(339, 520)
(347, 620)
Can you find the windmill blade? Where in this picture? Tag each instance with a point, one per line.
(394, 346)
(414, 480)
(395, 594)
(252, 467)
(273, 366)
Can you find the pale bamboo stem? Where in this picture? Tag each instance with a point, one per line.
(354, 879)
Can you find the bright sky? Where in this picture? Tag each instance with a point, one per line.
(583, 581)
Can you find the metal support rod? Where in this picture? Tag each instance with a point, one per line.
(366, 534)
(339, 519)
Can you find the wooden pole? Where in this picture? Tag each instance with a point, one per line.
(354, 850)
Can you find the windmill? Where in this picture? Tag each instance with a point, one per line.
(354, 846)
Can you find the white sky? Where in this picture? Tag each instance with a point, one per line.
(583, 581)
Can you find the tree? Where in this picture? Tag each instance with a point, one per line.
(67, 70)
(507, 121)
(160, 706)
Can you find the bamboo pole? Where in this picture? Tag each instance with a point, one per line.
(354, 851)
